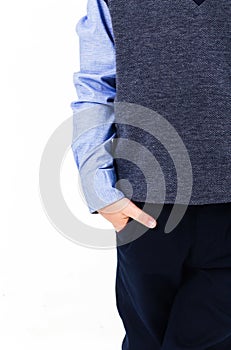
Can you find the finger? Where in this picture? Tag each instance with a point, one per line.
(139, 215)
(119, 225)
(115, 207)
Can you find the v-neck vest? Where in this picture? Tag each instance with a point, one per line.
(173, 84)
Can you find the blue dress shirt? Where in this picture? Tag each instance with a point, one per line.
(93, 112)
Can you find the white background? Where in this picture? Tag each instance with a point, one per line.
(54, 294)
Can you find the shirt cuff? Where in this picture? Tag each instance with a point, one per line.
(99, 189)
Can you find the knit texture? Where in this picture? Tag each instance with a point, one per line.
(173, 58)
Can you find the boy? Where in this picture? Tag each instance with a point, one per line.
(173, 291)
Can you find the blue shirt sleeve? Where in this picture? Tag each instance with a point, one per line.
(93, 112)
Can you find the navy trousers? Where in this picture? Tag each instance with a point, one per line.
(173, 291)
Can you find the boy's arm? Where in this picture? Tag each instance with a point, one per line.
(93, 112)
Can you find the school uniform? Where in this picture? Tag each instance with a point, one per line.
(161, 69)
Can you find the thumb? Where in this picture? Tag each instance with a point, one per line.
(139, 215)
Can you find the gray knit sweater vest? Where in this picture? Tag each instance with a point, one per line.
(172, 104)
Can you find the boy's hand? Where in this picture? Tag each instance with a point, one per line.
(119, 212)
